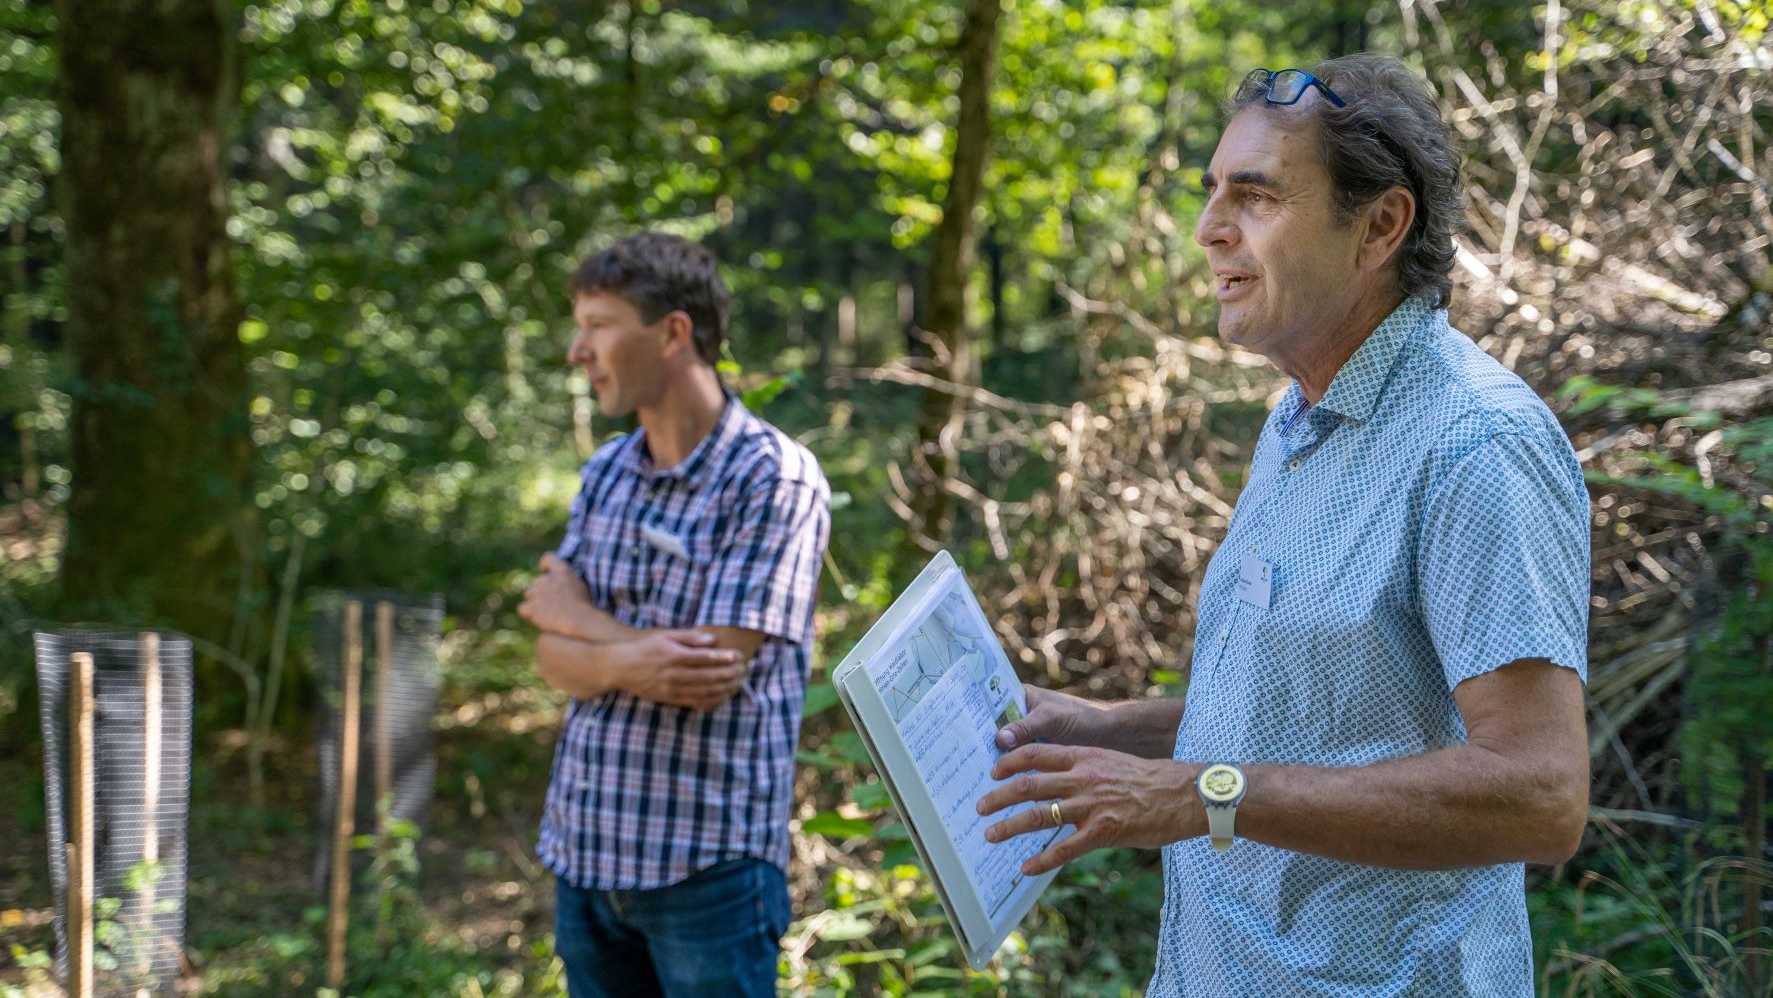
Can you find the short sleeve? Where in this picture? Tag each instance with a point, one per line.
(765, 572)
(1502, 561)
(574, 538)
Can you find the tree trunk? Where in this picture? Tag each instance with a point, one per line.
(905, 297)
(1166, 164)
(160, 439)
(1000, 327)
(24, 361)
(630, 142)
(1754, 821)
(951, 261)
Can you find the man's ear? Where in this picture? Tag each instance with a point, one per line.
(680, 333)
(1388, 217)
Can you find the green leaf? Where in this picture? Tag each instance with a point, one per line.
(849, 745)
(835, 826)
(766, 393)
(820, 697)
(1592, 398)
(844, 927)
(870, 796)
(290, 945)
(900, 854)
(819, 760)
(935, 949)
(142, 875)
(870, 956)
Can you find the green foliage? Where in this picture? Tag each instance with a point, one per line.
(116, 943)
(881, 931)
(1586, 394)
(413, 183)
(1685, 937)
(1731, 683)
(1731, 686)
(1635, 925)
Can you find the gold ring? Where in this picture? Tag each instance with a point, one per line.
(1058, 818)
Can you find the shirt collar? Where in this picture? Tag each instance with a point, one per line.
(1292, 405)
(694, 469)
(1354, 392)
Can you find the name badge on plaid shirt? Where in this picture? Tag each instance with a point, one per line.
(669, 543)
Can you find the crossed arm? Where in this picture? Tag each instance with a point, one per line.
(583, 652)
(1516, 791)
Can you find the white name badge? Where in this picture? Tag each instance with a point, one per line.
(1255, 581)
(667, 542)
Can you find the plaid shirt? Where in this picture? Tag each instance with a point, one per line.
(643, 794)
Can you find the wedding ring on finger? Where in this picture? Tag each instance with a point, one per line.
(1058, 816)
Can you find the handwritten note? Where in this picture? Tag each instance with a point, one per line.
(950, 732)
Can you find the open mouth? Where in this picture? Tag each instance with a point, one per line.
(1232, 283)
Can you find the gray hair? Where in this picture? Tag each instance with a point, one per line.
(1389, 133)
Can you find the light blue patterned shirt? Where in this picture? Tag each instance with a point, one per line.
(1424, 523)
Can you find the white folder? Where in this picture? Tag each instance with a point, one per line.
(982, 917)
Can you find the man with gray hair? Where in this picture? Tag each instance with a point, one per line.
(1384, 718)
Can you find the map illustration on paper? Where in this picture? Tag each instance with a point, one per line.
(948, 639)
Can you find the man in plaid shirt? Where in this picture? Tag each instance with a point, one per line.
(678, 614)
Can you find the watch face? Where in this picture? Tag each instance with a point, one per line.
(1221, 783)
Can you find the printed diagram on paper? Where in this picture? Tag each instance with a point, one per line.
(948, 639)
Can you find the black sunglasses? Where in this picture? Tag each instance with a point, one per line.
(1283, 88)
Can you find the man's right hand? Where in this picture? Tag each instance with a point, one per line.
(556, 601)
(683, 668)
(1054, 717)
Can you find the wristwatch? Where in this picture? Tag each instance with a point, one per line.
(1221, 787)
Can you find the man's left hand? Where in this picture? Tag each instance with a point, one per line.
(1111, 798)
(556, 601)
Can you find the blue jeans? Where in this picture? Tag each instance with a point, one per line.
(717, 933)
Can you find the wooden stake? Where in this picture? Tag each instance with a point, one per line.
(80, 770)
(145, 940)
(1755, 820)
(344, 826)
(384, 723)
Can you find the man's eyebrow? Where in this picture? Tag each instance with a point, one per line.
(1242, 178)
(1255, 178)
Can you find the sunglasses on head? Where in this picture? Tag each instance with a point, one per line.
(1284, 87)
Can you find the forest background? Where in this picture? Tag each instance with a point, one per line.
(285, 313)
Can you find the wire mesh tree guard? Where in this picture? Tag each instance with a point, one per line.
(377, 653)
(115, 708)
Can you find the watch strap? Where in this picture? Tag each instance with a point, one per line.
(1221, 824)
